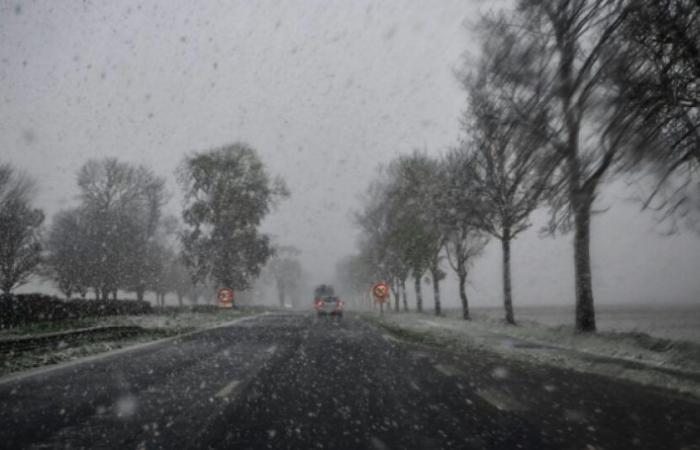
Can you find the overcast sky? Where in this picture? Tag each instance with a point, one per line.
(324, 90)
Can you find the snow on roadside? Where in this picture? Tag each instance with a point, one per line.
(156, 326)
(180, 322)
(632, 356)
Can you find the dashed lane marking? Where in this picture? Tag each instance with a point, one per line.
(500, 400)
(227, 390)
(390, 338)
(448, 370)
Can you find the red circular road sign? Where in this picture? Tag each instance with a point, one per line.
(381, 291)
(225, 297)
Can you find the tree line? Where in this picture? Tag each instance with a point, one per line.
(565, 96)
(118, 236)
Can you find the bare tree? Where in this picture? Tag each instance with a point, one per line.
(20, 224)
(555, 56)
(503, 160)
(657, 80)
(461, 216)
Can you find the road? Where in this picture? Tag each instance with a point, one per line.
(289, 381)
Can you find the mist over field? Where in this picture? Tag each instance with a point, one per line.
(338, 224)
(151, 83)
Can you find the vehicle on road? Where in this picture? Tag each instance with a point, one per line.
(326, 302)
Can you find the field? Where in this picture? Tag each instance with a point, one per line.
(675, 322)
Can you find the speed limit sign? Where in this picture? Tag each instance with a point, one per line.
(225, 297)
(381, 292)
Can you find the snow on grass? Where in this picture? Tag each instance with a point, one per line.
(44, 357)
(629, 355)
(179, 322)
(155, 326)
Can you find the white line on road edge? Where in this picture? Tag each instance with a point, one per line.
(226, 390)
(46, 369)
(272, 349)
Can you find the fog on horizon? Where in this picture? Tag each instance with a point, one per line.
(325, 92)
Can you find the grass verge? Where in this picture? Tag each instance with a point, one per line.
(152, 327)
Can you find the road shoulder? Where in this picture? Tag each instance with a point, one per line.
(459, 336)
(155, 331)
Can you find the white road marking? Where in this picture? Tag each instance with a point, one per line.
(500, 400)
(390, 338)
(272, 349)
(448, 370)
(226, 390)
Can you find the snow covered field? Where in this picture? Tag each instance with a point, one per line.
(676, 322)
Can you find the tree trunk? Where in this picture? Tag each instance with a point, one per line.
(463, 295)
(507, 289)
(140, 291)
(280, 296)
(179, 299)
(585, 312)
(436, 292)
(114, 294)
(396, 293)
(419, 295)
(403, 293)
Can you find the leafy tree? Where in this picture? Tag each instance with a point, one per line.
(414, 198)
(286, 271)
(401, 234)
(121, 205)
(381, 247)
(355, 276)
(68, 253)
(227, 194)
(20, 224)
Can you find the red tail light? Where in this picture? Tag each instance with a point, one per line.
(339, 304)
(319, 303)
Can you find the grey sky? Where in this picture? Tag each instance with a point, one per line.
(324, 91)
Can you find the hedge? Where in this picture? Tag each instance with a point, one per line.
(28, 308)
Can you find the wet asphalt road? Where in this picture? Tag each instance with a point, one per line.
(290, 381)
